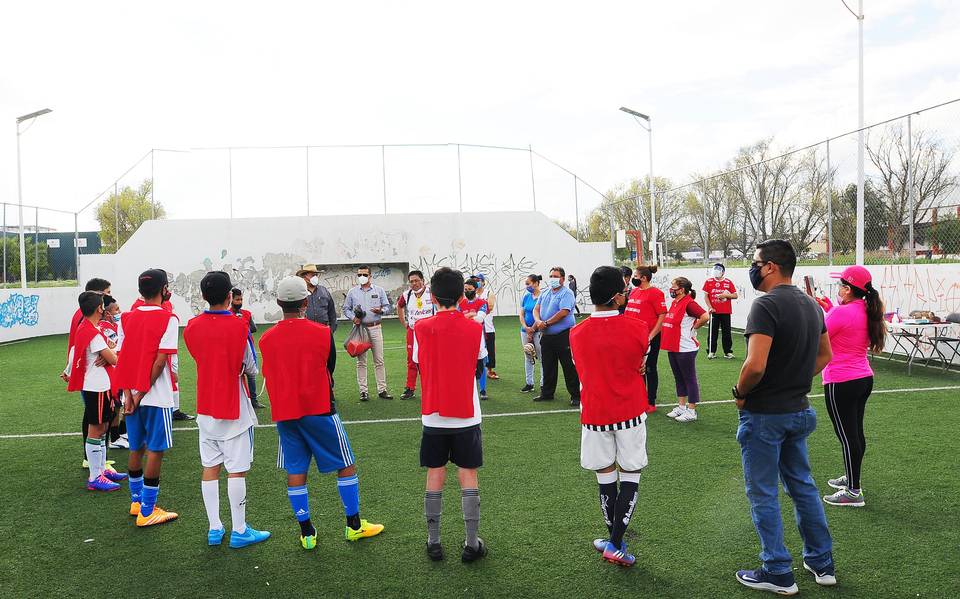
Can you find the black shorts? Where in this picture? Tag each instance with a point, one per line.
(462, 446)
(98, 406)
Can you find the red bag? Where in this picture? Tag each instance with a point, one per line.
(358, 341)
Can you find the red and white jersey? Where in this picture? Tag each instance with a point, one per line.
(416, 307)
(713, 287)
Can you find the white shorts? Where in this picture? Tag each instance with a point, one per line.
(602, 449)
(236, 453)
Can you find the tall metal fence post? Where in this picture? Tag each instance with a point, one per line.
(76, 248)
(706, 232)
(306, 152)
(576, 208)
(829, 208)
(230, 177)
(459, 179)
(153, 187)
(910, 191)
(116, 218)
(4, 244)
(383, 167)
(36, 244)
(533, 181)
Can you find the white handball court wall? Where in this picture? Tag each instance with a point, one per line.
(258, 252)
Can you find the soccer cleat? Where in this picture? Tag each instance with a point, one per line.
(249, 536)
(215, 537)
(761, 580)
(364, 396)
(618, 556)
(435, 551)
(711, 356)
(838, 483)
(599, 545)
(728, 356)
(158, 516)
(483, 395)
(676, 411)
(826, 577)
(179, 415)
(86, 465)
(492, 374)
(120, 443)
(384, 395)
(308, 542)
(407, 393)
(256, 404)
(542, 398)
(470, 554)
(689, 415)
(134, 508)
(526, 389)
(844, 497)
(102, 483)
(574, 403)
(115, 476)
(366, 530)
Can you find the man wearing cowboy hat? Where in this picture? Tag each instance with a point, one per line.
(320, 305)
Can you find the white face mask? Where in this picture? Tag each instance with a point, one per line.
(362, 279)
(314, 280)
(554, 282)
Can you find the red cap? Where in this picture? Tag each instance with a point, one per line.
(856, 275)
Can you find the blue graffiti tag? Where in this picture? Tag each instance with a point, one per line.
(19, 309)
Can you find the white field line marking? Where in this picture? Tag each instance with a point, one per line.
(13, 342)
(485, 416)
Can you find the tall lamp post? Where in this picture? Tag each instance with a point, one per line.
(860, 144)
(640, 118)
(23, 253)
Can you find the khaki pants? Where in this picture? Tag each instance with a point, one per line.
(376, 338)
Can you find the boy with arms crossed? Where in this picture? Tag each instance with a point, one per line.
(446, 348)
(217, 340)
(613, 405)
(148, 344)
(298, 362)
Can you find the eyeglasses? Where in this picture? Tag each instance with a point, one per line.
(761, 263)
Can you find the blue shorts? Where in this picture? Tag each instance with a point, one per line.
(150, 426)
(321, 437)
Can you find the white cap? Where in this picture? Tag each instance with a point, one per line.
(292, 289)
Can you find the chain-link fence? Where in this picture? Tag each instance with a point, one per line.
(52, 242)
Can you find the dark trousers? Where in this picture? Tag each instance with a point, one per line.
(721, 322)
(252, 384)
(491, 340)
(652, 376)
(554, 349)
(846, 403)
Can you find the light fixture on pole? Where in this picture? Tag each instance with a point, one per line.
(23, 254)
(640, 117)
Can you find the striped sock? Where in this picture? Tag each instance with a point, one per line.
(349, 488)
(300, 502)
(148, 498)
(94, 451)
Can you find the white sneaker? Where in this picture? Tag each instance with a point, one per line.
(676, 411)
(688, 415)
(728, 356)
(120, 443)
(711, 356)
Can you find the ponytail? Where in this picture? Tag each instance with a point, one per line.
(876, 327)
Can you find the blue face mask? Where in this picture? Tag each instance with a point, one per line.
(555, 283)
(116, 318)
(530, 288)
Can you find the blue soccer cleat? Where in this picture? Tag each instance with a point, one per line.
(215, 537)
(114, 476)
(616, 556)
(249, 536)
(102, 483)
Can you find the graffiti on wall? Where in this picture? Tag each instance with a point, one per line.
(19, 309)
(914, 288)
(505, 276)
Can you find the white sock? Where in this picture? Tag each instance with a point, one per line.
(237, 490)
(211, 501)
(93, 451)
(103, 454)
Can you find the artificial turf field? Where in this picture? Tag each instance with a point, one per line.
(690, 532)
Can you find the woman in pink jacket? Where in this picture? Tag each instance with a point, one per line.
(855, 326)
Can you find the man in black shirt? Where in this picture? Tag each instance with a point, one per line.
(787, 345)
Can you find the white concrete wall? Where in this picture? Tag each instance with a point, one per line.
(36, 312)
(504, 246)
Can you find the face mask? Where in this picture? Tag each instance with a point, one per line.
(314, 280)
(116, 318)
(554, 283)
(755, 277)
(636, 282)
(470, 294)
(362, 279)
(674, 293)
(236, 307)
(530, 289)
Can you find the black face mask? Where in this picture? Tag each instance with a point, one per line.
(236, 307)
(470, 294)
(636, 282)
(755, 277)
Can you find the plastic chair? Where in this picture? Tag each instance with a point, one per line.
(952, 344)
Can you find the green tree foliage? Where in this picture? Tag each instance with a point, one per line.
(123, 212)
(38, 258)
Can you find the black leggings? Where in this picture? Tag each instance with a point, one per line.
(846, 403)
(652, 376)
(491, 341)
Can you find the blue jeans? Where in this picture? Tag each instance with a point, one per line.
(775, 446)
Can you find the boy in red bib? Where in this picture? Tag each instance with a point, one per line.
(613, 405)
(148, 343)
(476, 308)
(217, 340)
(446, 348)
(298, 363)
(86, 374)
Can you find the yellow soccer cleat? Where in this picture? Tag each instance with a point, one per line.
(309, 542)
(135, 508)
(158, 516)
(366, 530)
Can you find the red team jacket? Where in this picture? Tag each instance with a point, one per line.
(447, 348)
(217, 343)
(612, 390)
(295, 354)
(142, 331)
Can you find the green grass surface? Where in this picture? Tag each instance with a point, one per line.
(691, 532)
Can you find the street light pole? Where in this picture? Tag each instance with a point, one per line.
(23, 253)
(653, 202)
(860, 143)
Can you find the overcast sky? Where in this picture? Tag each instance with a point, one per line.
(125, 77)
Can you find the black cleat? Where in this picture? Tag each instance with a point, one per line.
(384, 395)
(542, 398)
(574, 403)
(178, 415)
(435, 551)
(364, 396)
(471, 555)
(256, 404)
(407, 393)
(484, 396)
(526, 389)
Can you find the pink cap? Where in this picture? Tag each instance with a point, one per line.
(856, 275)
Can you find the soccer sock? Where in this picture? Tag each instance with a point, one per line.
(483, 378)
(103, 454)
(608, 497)
(210, 489)
(470, 503)
(148, 497)
(237, 491)
(349, 488)
(626, 501)
(300, 502)
(432, 509)
(93, 450)
(136, 485)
